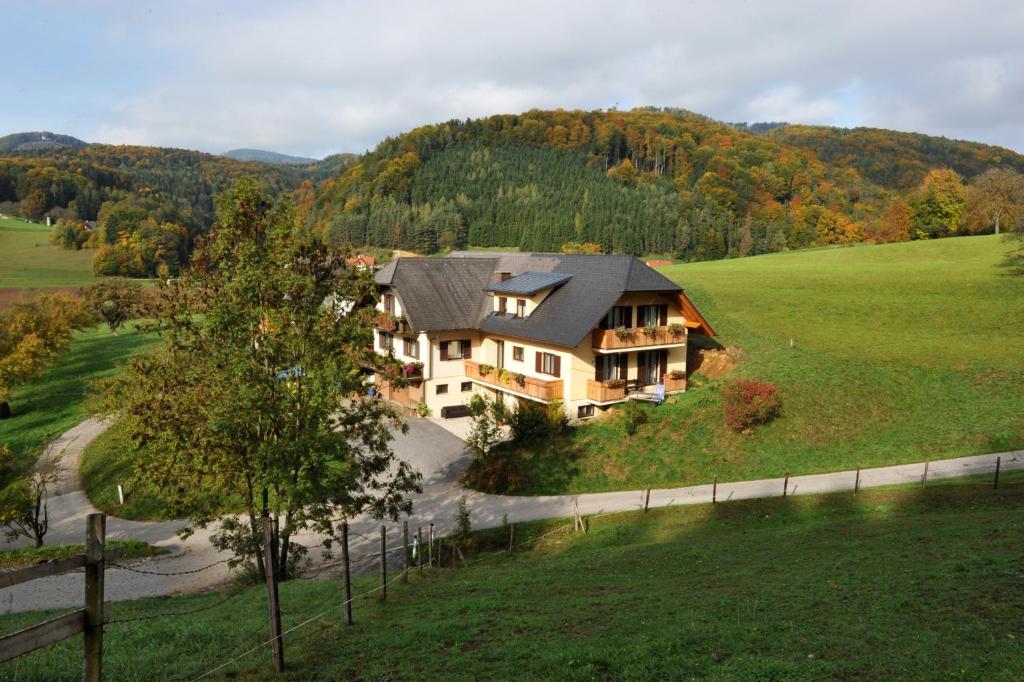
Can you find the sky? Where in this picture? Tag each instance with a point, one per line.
(312, 78)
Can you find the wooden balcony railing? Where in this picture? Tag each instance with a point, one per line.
(673, 384)
(605, 391)
(610, 339)
(535, 388)
(392, 323)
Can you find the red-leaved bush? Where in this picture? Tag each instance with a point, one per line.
(749, 402)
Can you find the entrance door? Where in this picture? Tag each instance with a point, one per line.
(651, 365)
(500, 364)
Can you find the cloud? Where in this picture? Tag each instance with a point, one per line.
(313, 77)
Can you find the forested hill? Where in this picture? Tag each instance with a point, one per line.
(264, 156)
(25, 142)
(148, 203)
(648, 181)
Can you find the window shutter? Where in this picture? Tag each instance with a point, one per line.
(664, 362)
(540, 363)
(629, 315)
(444, 350)
(664, 314)
(558, 365)
(466, 350)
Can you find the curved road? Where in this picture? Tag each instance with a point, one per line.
(440, 456)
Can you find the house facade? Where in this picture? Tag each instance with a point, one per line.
(585, 330)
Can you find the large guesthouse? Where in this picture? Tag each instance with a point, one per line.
(586, 330)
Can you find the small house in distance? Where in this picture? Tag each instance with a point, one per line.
(585, 330)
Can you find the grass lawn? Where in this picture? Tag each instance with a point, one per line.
(49, 406)
(901, 583)
(900, 353)
(27, 259)
(26, 556)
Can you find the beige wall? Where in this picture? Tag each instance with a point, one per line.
(634, 300)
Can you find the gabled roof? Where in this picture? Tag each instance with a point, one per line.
(529, 283)
(438, 293)
(449, 293)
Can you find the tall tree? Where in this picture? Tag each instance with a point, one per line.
(939, 203)
(115, 301)
(253, 398)
(895, 223)
(994, 198)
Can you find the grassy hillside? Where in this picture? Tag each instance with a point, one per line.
(891, 584)
(45, 408)
(900, 353)
(28, 260)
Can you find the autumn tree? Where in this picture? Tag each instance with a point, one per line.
(895, 223)
(251, 399)
(995, 199)
(581, 247)
(939, 203)
(115, 301)
(24, 506)
(32, 332)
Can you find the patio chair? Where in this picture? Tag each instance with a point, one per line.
(658, 397)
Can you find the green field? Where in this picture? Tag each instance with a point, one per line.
(49, 406)
(27, 259)
(905, 583)
(899, 353)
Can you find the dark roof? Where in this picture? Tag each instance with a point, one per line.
(439, 293)
(529, 283)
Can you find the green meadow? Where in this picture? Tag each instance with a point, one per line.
(28, 260)
(881, 355)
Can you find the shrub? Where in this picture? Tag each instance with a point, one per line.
(519, 378)
(556, 417)
(623, 332)
(500, 472)
(463, 526)
(529, 423)
(650, 330)
(749, 402)
(632, 417)
(422, 409)
(676, 328)
(485, 369)
(615, 383)
(677, 373)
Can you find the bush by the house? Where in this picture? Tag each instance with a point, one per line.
(749, 402)
(632, 417)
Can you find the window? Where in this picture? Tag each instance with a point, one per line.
(389, 303)
(466, 386)
(651, 315)
(517, 353)
(387, 341)
(456, 350)
(585, 411)
(442, 389)
(611, 367)
(619, 316)
(502, 305)
(411, 347)
(549, 363)
(502, 276)
(520, 307)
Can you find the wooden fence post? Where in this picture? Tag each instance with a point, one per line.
(405, 551)
(785, 485)
(419, 549)
(714, 490)
(430, 547)
(273, 602)
(995, 482)
(924, 477)
(95, 541)
(346, 574)
(383, 563)
(647, 500)
(856, 482)
(511, 536)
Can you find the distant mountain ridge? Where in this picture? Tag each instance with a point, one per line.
(38, 141)
(264, 156)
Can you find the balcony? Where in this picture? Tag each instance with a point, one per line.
(538, 389)
(605, 340)
(392, 323)
(606, 391)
